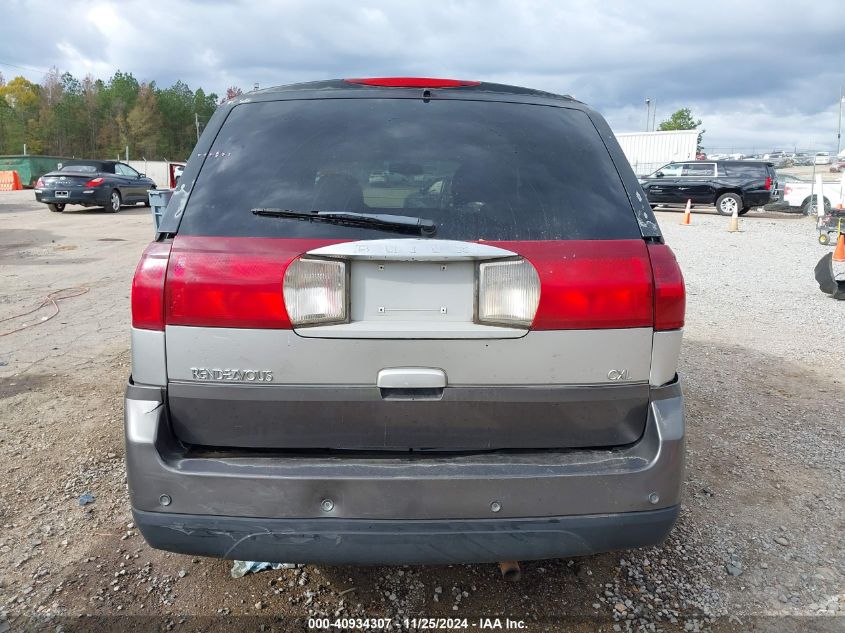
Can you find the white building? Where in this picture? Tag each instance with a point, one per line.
(646, 151)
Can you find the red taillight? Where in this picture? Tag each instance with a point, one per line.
(39, 184)
(95, 182)
(412, 82)
(669, 291)
(590, 284)
(148, 288)
(230, 281)
(768, 183)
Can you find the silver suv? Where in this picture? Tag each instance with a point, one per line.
(405, 321)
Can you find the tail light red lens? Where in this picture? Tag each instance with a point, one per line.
(243, 283)
(412, 82)
(39, 183)
(768, 183)
(590, 284)
(95, 182)
(669, 292)
(148, 288)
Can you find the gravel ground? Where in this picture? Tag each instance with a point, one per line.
(759, 545)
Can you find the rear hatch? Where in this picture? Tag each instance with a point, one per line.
(476, 279)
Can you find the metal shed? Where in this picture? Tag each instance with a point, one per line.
(646, 151)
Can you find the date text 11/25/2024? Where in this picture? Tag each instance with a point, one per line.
(483, 624)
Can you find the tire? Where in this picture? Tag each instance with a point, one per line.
(728, 203)
(824, 239)
(56, 208)
(744, 211)
(809, 207)
(114, 202)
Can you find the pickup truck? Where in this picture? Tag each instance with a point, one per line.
(801, 194)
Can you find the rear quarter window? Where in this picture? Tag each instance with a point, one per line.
(746, 171)
(478, 170)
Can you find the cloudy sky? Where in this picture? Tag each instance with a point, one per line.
(760, 75)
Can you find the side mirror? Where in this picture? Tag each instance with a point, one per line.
(658, 174)
(142, 175)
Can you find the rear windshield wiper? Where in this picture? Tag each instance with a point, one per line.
(399, 223)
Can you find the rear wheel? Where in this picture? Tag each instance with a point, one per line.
(824, 239)
(811, 208)
(146, 200)
(728, 203)
(56, 208)
(114, 202)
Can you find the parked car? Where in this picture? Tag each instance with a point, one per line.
(324, 373)
(729, 185)
(837, 166)
(801, 196)
(780, 203)
(93, 183)
(822, 158)
(177, 173)
(802, 159)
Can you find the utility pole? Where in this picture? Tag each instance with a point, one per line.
(654, 115)
(839, 129)
(197, 123)
(647, 113)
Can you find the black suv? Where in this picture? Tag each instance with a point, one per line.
(730, 185)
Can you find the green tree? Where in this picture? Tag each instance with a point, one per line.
(178, 124)
(682, 120)
(144, 122)
(92, 118)
(22, 100)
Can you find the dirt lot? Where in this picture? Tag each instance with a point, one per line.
(760, 544)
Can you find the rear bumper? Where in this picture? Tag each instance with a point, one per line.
(409, 508)
(94, 197)
(362, 542)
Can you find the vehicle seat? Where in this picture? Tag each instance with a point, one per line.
(491, 185)
(338, 192)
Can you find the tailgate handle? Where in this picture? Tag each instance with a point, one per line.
(411, 378)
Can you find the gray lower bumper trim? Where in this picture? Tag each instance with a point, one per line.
(363, 542)
(462, 418)
(643, 476)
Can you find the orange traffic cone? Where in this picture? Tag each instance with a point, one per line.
(733, 224)
(686, 219)
(839, 252)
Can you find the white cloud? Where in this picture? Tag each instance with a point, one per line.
(757, 72)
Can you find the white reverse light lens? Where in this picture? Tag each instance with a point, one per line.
(508, 292)
(315, 291)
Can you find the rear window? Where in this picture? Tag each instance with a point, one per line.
(759, 170)
(478, 170)
(80, 168)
